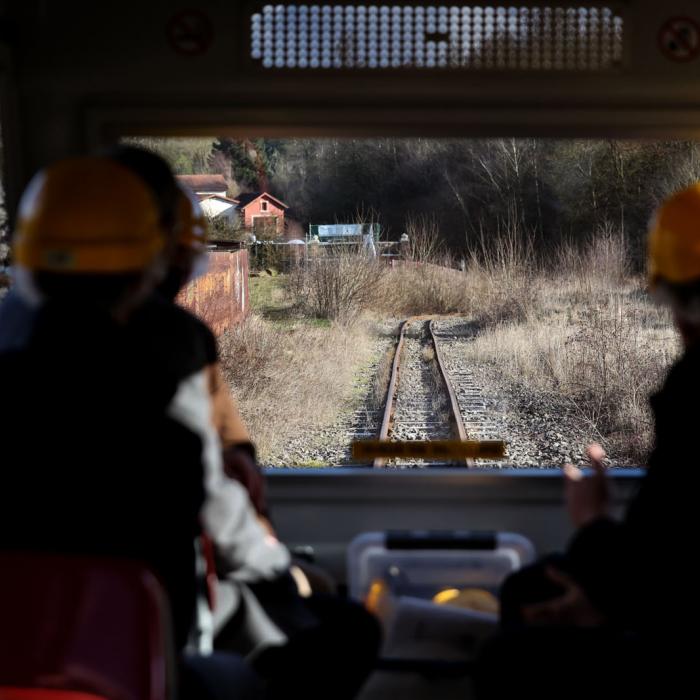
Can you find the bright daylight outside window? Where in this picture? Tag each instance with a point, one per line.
(518, 263)
(466, 37)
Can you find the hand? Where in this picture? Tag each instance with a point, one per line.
(267, 526)
(587, 497)
(572, 608)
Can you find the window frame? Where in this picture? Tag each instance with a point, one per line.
(104, 125)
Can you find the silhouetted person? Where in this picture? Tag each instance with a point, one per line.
(611, 616)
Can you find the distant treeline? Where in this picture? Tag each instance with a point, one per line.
(471, 189)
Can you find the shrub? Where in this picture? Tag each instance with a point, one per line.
(603, 356)
(423, 288)
(338, 285)
(601, 263)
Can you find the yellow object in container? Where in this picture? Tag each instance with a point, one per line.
(378, 599)
(470, 598)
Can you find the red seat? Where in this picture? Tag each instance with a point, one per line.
(9, 693)
(74, 628)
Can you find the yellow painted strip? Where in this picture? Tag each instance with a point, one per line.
(365, 450)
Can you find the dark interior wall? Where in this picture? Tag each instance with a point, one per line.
(75, 74)
(326, 509)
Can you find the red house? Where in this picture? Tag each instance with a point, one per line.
(262, 213)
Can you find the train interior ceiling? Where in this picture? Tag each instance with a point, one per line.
(76, 77)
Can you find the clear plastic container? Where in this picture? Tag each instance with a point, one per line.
(421, 564)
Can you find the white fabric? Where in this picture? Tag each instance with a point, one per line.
(258, 629)
(26, 288)
(246, 551)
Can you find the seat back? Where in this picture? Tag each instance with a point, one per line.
(75, 627)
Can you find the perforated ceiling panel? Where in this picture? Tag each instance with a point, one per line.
(505, 37)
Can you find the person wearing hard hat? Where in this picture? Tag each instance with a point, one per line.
(611, 614)
(674, 262)
(187, 262)
(300, 644)
(185, 224)
(108, 446)
(84, 258)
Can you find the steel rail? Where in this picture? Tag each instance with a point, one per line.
(454, 403)
(391, 390)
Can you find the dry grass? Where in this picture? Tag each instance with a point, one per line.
(594, 338)
(489, 296)
(580, 328)
(288, 379)
(497, 282)
(421, 288)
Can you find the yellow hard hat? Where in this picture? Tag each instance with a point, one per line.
(674, 239)
(191, 227)
(87, 215)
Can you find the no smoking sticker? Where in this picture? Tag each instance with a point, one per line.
(679, 39)
(190, 32)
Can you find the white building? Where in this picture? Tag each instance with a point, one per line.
(215, 206)
(211, 191)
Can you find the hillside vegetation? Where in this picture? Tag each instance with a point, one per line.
(470, 189)
(538, 244)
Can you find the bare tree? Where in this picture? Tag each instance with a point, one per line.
(337, 286)
(425, 244)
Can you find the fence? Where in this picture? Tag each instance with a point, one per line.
(220, 297)
(349, 232)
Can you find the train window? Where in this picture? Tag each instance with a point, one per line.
(513, 37)
(511, 270)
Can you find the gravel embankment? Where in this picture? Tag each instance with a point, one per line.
(540, 429)
(358, 418)
(421, 409)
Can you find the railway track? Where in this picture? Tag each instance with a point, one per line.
(428, 396)
(479, 420)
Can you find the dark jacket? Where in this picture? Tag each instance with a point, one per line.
(109, 447)
(87, 446)
(641, 572)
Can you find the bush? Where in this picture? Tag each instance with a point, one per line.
(602, 263)
(423, 288)
(603, 355)
(266, 255)
(611, 364)
(337, 286)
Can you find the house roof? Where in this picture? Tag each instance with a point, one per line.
(204, 183)
(246, 198)
(220, 197)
